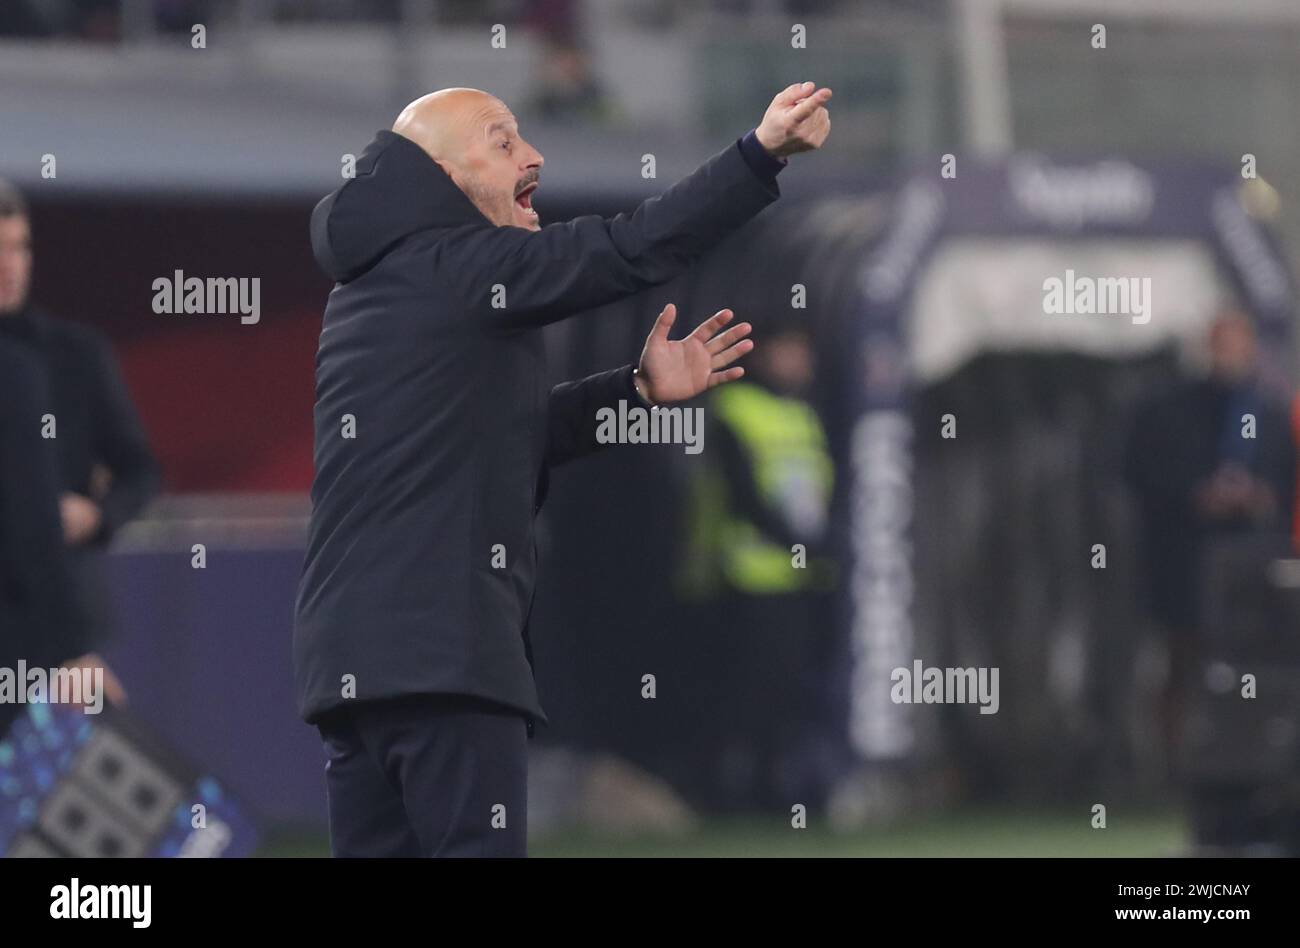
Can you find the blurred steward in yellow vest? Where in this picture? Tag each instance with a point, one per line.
(757, 567)
(759, 500)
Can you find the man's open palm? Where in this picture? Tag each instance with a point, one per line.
(675, 370)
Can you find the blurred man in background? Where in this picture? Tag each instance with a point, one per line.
(757, 554)
(1210, 459)
(106, 471)
(40, 623)
(567, 87)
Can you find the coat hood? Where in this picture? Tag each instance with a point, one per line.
(398, 190)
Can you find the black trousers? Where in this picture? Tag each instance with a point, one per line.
(435, 775)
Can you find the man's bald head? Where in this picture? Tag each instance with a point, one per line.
(441, 122)
(473, 136)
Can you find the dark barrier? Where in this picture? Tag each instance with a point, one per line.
(205, 657)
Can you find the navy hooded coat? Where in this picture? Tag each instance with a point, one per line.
(434, 423)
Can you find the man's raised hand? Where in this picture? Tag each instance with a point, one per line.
(673, 371)
(797, 120)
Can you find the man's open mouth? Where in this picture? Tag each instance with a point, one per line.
(525, 198)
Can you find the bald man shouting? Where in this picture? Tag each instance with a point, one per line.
(435, 434)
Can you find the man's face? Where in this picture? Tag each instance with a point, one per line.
(496, 168)
(787, 362)
(15, 262)
(1232, 347)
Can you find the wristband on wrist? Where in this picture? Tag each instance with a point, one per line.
(636, 374)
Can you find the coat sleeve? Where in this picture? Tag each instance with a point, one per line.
(122, 445)
(42, 622)
(539, 277)
(571, 412)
